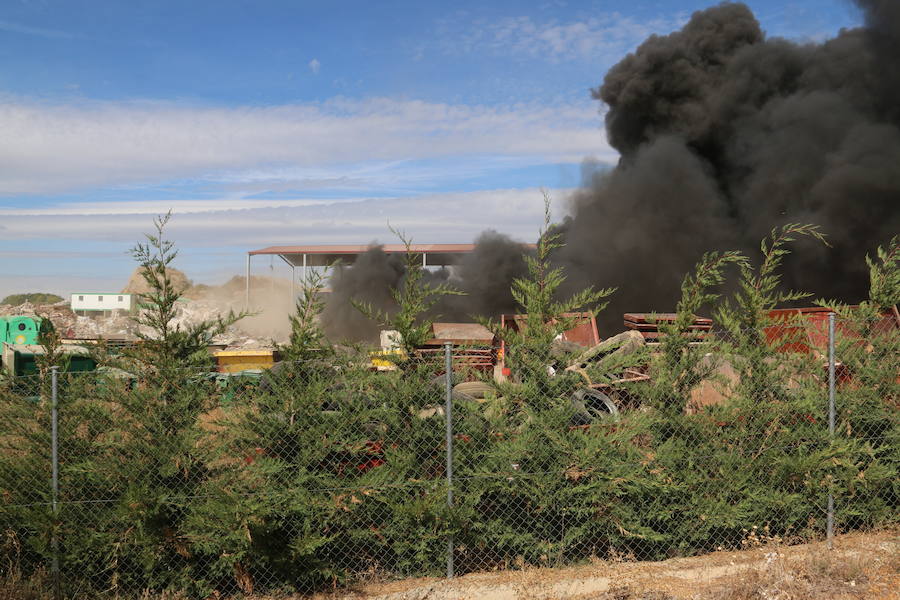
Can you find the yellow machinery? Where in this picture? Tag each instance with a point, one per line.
(386, 360)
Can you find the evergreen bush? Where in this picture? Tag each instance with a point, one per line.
(326, 470)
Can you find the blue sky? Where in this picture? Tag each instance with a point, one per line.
(289, 122)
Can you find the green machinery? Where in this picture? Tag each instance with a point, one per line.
(20, 341)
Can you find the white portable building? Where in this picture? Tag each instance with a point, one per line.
(84, 303)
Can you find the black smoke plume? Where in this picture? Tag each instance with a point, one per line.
(484, 275)
(724, 134)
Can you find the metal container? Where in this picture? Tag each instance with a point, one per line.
(583, 332)
(805, 330)
(801, 330)
(235, 361)
(21, 359)
(23, 330)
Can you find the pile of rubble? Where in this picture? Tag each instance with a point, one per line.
(121, 326)
(112, 327)
(59, 314)
(206, 309)
(269, 323)
(69, 325)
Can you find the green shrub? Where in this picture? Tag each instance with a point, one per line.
(32, 297)
(325, 471)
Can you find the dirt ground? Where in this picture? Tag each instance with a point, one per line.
(861, 565)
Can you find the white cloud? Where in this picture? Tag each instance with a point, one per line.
(229, 234)
(51, 148)
(608, 35)
(314, 66)
(156, 207)
(448, 217)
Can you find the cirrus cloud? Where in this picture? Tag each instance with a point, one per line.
(605, 36)
(57, 148)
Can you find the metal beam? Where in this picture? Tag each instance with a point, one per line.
(247, 300)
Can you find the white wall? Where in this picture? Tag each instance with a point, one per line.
(111, 301)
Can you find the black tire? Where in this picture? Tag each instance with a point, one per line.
(441, 380)
(592, 406)
(477, 390)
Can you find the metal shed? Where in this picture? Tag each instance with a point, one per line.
(433, 255)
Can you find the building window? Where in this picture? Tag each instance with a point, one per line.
(99, 298)
(81, 298)
(120, 298)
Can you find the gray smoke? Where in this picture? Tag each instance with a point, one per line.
(724, 134)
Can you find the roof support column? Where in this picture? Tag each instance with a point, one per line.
(293, 293)
(247, 299)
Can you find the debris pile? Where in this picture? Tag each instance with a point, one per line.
(269, 323)
(208, 308)
(59, 314)
(118, 326)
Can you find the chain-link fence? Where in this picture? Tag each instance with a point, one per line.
(356, 466)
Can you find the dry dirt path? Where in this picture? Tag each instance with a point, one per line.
(865, 566)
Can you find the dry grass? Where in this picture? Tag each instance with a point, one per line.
(862, 566)
(814, 576)
(15, 587)
(626, 593)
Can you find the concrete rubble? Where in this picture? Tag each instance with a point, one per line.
(122, 326)
(60, 314)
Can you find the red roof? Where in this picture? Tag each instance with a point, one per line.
(327, 254)
(361, 248)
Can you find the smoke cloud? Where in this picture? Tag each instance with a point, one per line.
(484, 276)
(369, 280)
(723, 134)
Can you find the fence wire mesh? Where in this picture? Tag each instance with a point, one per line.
(356, 467)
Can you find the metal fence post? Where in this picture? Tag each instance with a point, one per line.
(54, 460)
(829, 534)
(448, 418)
